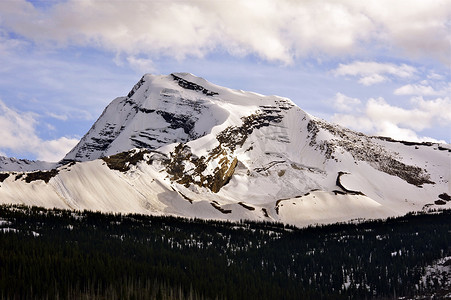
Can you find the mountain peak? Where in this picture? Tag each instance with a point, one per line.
(178, 144)
(165, 109)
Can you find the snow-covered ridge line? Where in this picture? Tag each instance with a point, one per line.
(21, 165)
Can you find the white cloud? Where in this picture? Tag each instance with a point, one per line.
(420, 28)
(141, 65)
(273, 30)
(372, 79)
(18, 134)
(16, 128)
(55, 150)
(355, 122)
(422, 116)
(382, 118)
(61, 117)
(374, 72)
(404, 134)
(50, 127)
(415, 89)
(363, 68)
(435, 76)
(8, 45)
(73, 87)
(439, 108)
(345, 103)
(422, 89)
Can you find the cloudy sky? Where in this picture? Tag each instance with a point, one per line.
(381, 67)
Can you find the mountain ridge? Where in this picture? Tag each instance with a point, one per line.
(180, 145)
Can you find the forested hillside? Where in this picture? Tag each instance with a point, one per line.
(68, 255)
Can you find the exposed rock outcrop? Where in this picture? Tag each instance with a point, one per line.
(362, 148)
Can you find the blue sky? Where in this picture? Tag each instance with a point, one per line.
(379, 67)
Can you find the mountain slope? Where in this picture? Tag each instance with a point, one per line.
(212, 152)
(14, 164)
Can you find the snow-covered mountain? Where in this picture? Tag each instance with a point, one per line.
(14, 164)
(180, 145)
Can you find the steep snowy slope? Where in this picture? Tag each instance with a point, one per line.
(212, 152)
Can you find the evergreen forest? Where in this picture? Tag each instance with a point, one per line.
(64, 254)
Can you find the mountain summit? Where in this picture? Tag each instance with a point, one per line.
(158, 111)
(180, 145)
